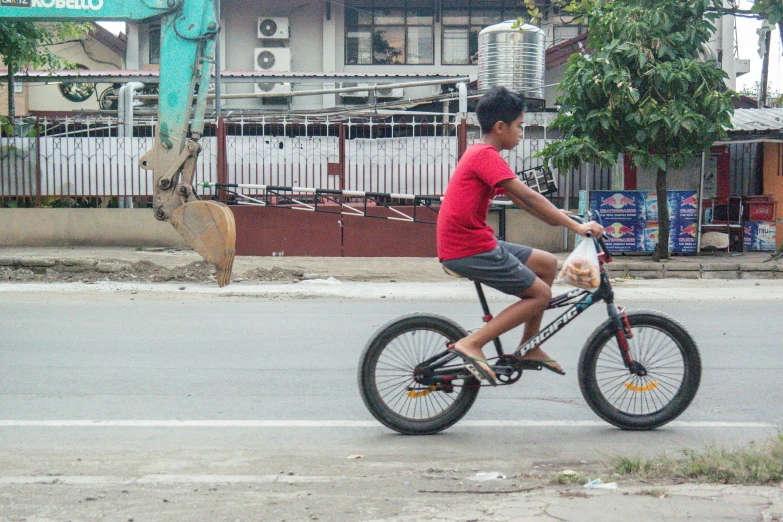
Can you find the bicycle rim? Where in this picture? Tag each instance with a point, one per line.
(394, 380)
(631, 394)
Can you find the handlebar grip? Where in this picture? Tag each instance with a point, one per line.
(607, 254)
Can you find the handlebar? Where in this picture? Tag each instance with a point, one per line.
(593, 215)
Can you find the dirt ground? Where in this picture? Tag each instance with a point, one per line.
(183, 265)
(156, 265)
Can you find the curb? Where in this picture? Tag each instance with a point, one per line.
(620, 268)
(694, 270)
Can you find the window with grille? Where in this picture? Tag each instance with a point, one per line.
(389, 32)
(461, 22)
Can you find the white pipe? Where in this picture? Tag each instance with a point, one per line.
(125, 106)
(462, 88)
(125, 115)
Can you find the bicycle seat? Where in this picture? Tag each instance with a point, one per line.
(452, 273)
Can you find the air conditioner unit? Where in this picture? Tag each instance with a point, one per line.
(264, 87)
(273, 28)
(396, 92)
(272, 59)
(381, 92)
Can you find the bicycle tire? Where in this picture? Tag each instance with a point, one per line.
(650, 401)
(407, 341)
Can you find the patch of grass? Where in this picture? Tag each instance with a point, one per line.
(752, 464)
(642, 467)
(653, 492)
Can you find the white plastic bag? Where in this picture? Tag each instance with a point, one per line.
(490, 475)
(581, 268)
(600, 484)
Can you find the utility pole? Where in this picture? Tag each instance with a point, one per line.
(218, 50)
(764, 47)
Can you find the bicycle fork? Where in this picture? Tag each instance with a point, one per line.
(623, 332)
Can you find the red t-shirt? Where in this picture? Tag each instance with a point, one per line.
(462, 219)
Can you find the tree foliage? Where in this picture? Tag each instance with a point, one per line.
(643, 91)
(769, 10)
(25, 45)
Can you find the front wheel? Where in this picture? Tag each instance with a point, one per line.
(665, 379)
(387, 380)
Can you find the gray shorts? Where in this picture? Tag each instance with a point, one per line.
(502, 268)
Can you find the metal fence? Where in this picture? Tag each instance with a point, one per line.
(88, 157)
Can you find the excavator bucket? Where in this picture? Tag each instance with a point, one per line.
(209, 228)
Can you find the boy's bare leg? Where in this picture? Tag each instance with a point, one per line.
(544, 265)
(533, 301)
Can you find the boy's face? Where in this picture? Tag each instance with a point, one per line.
(510, 133)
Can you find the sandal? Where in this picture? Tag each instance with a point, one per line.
(537, 364)
(474, 366)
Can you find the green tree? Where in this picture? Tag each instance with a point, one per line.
(643, 91)
(771, 11)
(25, 44)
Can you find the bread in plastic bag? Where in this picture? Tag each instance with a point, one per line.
(581, 269)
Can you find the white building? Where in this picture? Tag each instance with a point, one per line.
(373, 38)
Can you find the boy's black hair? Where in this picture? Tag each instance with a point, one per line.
(498, 104)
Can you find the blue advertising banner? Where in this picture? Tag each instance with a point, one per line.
(630, 219)
(759, 235)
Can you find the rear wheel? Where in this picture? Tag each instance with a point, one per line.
(662, 388)
(386, 376)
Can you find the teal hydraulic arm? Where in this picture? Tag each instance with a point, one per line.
(188, 32)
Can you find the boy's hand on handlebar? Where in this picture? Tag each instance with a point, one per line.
(593, 228)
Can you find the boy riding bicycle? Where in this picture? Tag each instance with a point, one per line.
(467, 245)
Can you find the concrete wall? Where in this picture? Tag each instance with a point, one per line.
(20, 99)
(524, 229)
(138, 227)
(84, 227)
(773, 184)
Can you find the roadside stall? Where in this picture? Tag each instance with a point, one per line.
(726, 199)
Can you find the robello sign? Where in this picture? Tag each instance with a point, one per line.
(92, 5)
(80, 5)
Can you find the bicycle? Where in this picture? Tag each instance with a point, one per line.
(638, 370)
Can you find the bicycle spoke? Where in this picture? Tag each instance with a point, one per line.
(394, 376)
(632, 394)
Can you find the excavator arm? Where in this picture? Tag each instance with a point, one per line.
(188, 32)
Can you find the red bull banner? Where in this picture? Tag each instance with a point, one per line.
(760, 236)
(630, 219)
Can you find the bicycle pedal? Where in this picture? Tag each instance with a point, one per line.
(503, 370)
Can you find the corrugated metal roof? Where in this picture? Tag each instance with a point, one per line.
(755, 120)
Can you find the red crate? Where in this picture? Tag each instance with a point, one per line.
(760, 208)
(762, 211)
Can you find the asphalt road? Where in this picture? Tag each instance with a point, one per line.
(150, 393)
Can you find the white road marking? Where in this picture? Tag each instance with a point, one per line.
(343, 424)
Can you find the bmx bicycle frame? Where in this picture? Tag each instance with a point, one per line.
(578, 300)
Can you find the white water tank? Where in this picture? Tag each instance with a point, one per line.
(513, 58)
